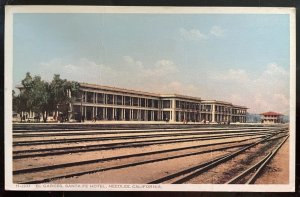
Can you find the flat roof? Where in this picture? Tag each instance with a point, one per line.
(215, 101)
(223, 102)
(124, 90)
(178, 96)
(86, 85)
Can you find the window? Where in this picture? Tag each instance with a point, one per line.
(90, 97)
(166, 104)
(197, 106)
(177, 104)
(109, 99)
(118, 99)
(166, 115)
(127, 100)
(143, 102)
(183, 104)
(135, 101)
(155, 103)
(150, 103)
(100, 98)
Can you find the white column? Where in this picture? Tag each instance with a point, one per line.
(173, 111)
(130, 113)
(139, 114)
(213, 112)
(94, 115)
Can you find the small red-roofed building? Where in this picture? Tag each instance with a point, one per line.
(271, 117)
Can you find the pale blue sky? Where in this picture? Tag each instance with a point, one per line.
(238, 58)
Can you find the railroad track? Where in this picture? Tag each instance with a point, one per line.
(99, 147)
(114, 132)
(60, 141)
(255, 170)
(192, 172)
(68, 150)
(72, 173)
(17, 128)
(160, 155)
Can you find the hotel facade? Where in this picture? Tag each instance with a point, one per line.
(116, 104)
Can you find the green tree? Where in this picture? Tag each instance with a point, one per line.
(63, 94)
(42, 97)
(37, 94)
(20, 103)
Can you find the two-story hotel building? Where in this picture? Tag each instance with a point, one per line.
(117, 104)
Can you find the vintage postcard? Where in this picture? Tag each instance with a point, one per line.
(101, 98)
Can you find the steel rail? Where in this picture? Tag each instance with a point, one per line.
(41, 134)
(259, 170)
(97, 147)
(109, 148)
(89, 148)
(43, 180)
(134, 164)
(59, 141)
(250, 169)
(29, 170)
(76, 149)
(135, 144)
(197, 170)
(84, 127)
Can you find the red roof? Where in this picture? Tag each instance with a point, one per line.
(270, 113)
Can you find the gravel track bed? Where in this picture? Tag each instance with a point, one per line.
(93, 162)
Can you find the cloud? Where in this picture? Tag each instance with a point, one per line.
(133, 74)
(161, 68)
(192, 34)
(267, 91)
(131, 62)
(197, 35)
(231, 75)
(275, 70)
(217, 31)
(81, 70)
(179, 87)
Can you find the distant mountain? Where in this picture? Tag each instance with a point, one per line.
(286, 118)
(253, 118)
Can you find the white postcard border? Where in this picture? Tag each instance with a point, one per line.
(10, 10)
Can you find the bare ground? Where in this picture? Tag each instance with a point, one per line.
(276, 172)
